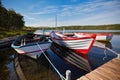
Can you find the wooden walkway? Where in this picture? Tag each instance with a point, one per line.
(108, 71)
(6, 42)
(18, 69)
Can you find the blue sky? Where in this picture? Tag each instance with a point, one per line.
(69, 12)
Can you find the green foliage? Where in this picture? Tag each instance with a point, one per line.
(97, 27)
(9, 19)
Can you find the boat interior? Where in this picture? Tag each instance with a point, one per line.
(30, 38)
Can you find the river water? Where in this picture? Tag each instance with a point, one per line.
(41, 69)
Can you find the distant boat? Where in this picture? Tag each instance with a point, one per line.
(80, 45)
(29, 45)
(42, 32)
(99, 36)
(104, 36)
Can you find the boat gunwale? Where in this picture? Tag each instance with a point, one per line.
(72, 37)
(26, 45)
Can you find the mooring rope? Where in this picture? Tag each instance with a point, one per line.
(118, 55)
(105, 55)
(61, 76)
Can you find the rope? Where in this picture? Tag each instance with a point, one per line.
(118, 55)
(98, 44)
(61, 76)
(111, 50)
(105, 55)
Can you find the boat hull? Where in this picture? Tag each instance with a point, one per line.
(99, 36)
(104, 37)
(31, 45)
(79, 45)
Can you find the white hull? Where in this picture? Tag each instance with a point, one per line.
(99, 36)
(33, 51)
(103, 37)
(75, 44)
(78, 44)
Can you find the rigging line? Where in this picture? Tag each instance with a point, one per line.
(62, 77)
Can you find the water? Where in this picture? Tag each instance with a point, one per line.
(42, 70)
(112, 31)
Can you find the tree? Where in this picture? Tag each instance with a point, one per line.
(9, 19)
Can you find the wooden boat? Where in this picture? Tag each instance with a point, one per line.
(42, 32)
(99, 36)
(104, 36)
(80, 45)
(29, 45)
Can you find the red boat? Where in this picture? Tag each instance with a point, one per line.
(80, 45)
(99, 36)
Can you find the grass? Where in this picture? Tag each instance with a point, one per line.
(6, 33)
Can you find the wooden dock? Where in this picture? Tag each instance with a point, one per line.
(6, 42)
(19, 69)
(108, 71)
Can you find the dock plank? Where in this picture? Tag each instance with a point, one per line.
(108, 71)
(19, 70)
(83, 78)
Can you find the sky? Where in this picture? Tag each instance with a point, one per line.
(67, 12)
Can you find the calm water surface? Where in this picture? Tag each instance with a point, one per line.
(41, 69)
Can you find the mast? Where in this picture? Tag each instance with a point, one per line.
(56, 22)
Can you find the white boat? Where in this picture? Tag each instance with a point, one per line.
(99, 36)
(42, 32)
(80, 45)
(29, 45)
(104, 36)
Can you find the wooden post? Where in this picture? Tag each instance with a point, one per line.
(118, 57)
(68, 75)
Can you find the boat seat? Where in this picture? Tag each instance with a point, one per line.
(60, 35)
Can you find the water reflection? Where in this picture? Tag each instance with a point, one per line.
(61, 64)
(107, 44)
(6, 65)
(36, 69)
(99, 56)
(41, 70)
(73, 58)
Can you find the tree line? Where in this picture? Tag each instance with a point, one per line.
(9, 19)
(93, 27)
(87, 27)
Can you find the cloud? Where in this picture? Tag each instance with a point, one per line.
(102, 18)
(29, 18)
(88, 13)
(90, 7)
(42, 22)
(46, 10)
